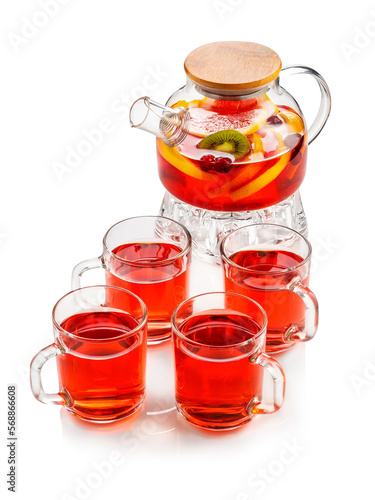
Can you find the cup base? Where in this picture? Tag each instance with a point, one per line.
(212, 425)
(275, 342)
(106, 419)
(158, 332)
(278, 349)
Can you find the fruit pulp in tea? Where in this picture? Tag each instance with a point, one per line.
(155, 273)
(238, 155)
(264, 281)
(215, 380)
(103, 374)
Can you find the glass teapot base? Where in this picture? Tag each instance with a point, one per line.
(208, 227)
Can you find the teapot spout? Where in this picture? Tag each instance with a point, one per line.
(171, 125)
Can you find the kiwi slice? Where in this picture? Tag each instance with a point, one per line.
(227, 141)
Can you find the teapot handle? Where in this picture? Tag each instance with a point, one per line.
(325, 102)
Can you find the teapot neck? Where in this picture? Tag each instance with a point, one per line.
(229, 95)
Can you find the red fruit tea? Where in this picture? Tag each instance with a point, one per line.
(264, 276)
(105, 375)
(215, 380)
(155, 273)
(271, 171)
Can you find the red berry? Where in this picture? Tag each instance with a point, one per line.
(223, 165)
(208, 158)
(274, 120)
(207, 162)
(224, 159)
(206, 166)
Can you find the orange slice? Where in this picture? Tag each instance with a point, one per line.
(294, 121)
(272, 141)
(267, 104)
(245, 175)
(188, 105)
(257, 144)
(262, 180)
(183, 164)
(266, 141)
(279, 139)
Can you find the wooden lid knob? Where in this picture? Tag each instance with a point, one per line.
(232, 66)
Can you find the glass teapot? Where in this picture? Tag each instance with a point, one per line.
(232, 139)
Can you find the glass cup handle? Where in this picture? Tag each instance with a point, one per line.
(325, 101)
(82, 267)
(278, 376)
(312, 312)
(35, 376)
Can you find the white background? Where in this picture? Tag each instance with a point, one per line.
(68, 76)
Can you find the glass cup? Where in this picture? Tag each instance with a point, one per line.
(149, 256)
(271, 264)
(100, 347)
(219, 341)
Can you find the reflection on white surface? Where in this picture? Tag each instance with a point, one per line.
(159, 415)
(159, 431)
(157, 442)
(206, 277)
(157, 437)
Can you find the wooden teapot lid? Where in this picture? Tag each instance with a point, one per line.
(232, 66)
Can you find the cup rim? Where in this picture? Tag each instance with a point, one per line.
(262, 331)
(226, 259)
(107, 340)
(153, 264)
